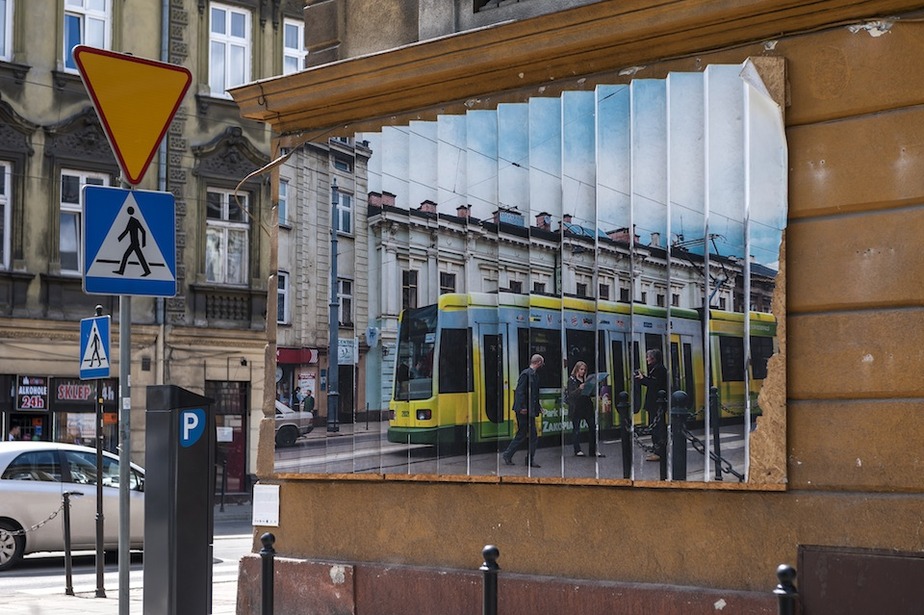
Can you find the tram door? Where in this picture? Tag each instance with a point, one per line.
(681, 366)
(492, 423)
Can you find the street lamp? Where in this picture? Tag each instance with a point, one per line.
(333, 366)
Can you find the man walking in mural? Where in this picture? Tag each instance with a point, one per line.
(526, 406)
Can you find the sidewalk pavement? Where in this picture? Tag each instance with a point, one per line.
(48, 601)
(84, 602)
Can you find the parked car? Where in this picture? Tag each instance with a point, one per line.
(291, 424)
(33, 478)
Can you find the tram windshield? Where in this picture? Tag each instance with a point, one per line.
(416, 343)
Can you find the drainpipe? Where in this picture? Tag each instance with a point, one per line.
(159, 302)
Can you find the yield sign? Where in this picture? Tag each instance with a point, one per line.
(135, 99)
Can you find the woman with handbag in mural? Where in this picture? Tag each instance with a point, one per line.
(581, 408)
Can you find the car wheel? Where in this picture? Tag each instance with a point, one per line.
(286, 436)
(11, 545)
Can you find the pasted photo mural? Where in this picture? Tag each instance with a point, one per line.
(571, 286)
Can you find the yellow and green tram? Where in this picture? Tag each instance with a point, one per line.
(457, 361)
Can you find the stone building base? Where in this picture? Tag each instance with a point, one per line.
(314, 588)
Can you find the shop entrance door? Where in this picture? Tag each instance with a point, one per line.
(231, 409)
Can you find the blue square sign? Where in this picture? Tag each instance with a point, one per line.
(94, 347)
(129, 242)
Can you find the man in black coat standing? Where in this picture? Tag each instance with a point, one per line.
(655, 381)
(526, 406)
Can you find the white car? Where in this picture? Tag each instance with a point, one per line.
(33, 478)
(291, 424)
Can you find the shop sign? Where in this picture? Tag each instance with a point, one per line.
(347, 350)
(71, 393)
(31, 393)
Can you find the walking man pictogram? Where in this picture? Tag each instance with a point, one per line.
(133, 229)
(94, 345)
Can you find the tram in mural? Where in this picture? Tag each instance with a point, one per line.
(457, 361)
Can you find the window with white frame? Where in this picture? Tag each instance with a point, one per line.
(345, 293)
(345, 213)
(229, 48)
(86, 22)
(5, 214)
(283, 203)
(227, 237)
(69, 223)
(293, 46)
(343, 164)
(282, 298)
(6, 30)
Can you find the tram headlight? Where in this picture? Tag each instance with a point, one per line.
(424, 415)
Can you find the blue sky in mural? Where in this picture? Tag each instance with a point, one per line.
(711, 143)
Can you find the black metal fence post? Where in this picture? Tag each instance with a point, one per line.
(267, 554)
(786, 594)
(715, 418)
(680, 407)
(625, 428)
(68, 570)
(659, 431)
(490, 568)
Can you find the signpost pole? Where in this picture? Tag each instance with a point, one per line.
(125, 440)
(100, 553)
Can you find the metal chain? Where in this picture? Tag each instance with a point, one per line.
(37, 525)
(637, 435)
(700, 447)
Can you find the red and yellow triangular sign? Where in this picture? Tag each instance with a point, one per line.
(135, 99)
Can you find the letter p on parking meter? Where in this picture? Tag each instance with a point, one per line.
(192, 425)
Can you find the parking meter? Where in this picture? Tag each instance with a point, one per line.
(178, 502)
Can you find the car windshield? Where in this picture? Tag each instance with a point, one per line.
(83, 470)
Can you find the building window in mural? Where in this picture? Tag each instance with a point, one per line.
(628, 234)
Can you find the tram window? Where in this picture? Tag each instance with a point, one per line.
(761, 351)
(580, 348)
(455, 365)
(653, 341)
(601, 351)
(522, 349)
(675, 367)
(732, 354)
(619, 369)
(546, 342)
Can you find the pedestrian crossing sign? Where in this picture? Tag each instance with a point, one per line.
(94, 347)
(129, 242)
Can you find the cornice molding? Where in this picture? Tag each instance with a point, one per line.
(454, 72)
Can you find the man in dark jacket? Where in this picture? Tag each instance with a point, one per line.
(526, 406)
(655, 381)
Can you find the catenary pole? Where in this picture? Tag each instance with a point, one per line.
(333, 366)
